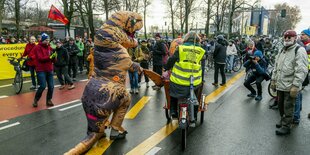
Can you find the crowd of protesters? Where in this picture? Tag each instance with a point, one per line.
(66, 58)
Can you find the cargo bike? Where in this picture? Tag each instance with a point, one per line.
(188, 108)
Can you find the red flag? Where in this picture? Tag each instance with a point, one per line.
(55, 14)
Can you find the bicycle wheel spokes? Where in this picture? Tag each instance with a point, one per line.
(18, 82)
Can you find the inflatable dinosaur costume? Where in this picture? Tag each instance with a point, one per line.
(105, 92)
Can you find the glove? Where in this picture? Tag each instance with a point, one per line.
(53, 55)
(294, 91)
(273, 85)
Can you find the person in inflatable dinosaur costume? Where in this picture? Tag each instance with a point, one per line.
(105, 93)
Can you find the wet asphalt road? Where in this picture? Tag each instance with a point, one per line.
(233, 124)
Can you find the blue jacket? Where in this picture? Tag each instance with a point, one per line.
(259, 69)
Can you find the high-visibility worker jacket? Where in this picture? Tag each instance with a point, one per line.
(188, 64)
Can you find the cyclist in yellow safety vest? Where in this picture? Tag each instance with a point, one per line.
(185, 61)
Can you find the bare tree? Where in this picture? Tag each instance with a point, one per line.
(290, 21)
(146, 3)
(69, 9)
(188, 10)
(172, 11)
(1, 14)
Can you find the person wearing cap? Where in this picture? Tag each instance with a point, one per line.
(231, 51)
(44, 69)
(219, 57)
(61, 66)
(158, 54)
(73, 50)
(305, 38)
(290, 70)
(184, 64)
(31, 62)
(259, 66)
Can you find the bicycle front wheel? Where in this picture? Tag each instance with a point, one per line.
(237, 65)
(184, 134)
(18, 82)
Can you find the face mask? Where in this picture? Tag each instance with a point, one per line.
(288, 43)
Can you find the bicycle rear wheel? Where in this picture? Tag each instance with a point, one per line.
(18, 82)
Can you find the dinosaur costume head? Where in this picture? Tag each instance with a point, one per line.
(119, 29)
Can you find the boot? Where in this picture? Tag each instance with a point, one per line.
(283, 131)
(115, 134)
(258, 98)
(49, 103)
(251, 95)
(35, 103)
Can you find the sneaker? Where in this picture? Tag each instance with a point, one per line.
(174, 114)
(215, 84)
(131, 91)
(136, 91)
(258, 98)
(74, 79)
(251, 95)
(71, 87)
(49, 103)
(283, 131)
(295, 121)
(147, 85)
(222, 84)
(61, 87)
(117, 135)
(35, 103)
(33, 87)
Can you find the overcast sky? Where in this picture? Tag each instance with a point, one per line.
(157, 11)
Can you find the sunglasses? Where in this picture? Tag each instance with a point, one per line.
(287, 37)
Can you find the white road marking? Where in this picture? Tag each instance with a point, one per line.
(63, 109)
(84, 80)
(64, 104)
(4, 121)
(153, 151)
(3, 96)
(8, 126)
(12, 85)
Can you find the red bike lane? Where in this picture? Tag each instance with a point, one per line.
(19, 105)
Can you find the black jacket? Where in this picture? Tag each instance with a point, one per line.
(158, 52)
(62, 57)
(219, 54)
(73, 50)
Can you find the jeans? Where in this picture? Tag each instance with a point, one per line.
(62, 72)
(298, 105)
(220, 67)
(133, 77)
(43, 78)
(33, 77)
(144, 64)
(230, 63)
(259, 80)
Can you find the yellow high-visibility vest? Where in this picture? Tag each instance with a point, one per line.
(189, 64)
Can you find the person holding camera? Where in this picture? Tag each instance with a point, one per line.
(259, 67)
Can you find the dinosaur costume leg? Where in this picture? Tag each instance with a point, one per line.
(119, 114)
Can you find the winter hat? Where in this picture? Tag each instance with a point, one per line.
(220, 37)
(258, 53)
(307, 32)
(157, 35)
(44, 36)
